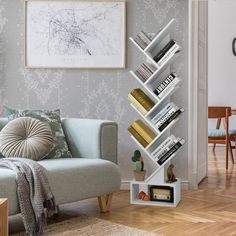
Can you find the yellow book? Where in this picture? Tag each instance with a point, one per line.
(137, 105)
(144, 130)
(137, 136)
(142, 98)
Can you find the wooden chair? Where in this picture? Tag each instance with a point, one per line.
(221, 136)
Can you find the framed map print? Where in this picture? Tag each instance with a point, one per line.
(75, 34)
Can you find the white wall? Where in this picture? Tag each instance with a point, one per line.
(222, 62)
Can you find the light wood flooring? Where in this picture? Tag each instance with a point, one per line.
(211, 210)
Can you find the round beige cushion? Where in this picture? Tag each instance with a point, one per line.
(26, 137)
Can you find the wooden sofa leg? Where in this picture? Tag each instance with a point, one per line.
(3, 217)
(105, 202)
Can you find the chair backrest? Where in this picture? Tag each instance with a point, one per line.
(219, 112)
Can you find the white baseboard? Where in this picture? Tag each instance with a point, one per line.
(125, 185)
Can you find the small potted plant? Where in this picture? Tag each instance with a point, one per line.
(139, 172)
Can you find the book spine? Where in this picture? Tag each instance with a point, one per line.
(170, 152)
(164, 118)
(137, 136)
(160, 88)
(137, 105)
(169, 54)
(162, 112)
(167, 148)
(144, 131)
(164, 50)
(143, 99)
(169, 88)
(162, 146)
(174, 116)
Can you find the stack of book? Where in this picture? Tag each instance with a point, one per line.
(140, 101)
(163, 118)
(141, 132)
(167, 85)
(167, 52)
(167, 148)
(145, 71)
(142, 39)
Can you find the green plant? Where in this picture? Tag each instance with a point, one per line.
(138, 159)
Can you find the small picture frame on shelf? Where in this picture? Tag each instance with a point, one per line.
(162, 193)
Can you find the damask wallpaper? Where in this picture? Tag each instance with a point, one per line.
(92, 93)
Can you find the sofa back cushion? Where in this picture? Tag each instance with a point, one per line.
(27, 138)
(52, 118)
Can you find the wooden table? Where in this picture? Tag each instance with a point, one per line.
(3, 217)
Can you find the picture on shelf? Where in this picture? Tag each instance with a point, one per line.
(75, 34)
(162, 193)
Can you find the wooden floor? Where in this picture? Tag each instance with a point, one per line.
(211, 210)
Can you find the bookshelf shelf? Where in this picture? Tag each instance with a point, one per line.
(158, 151)
(161, 35)
(161, 69)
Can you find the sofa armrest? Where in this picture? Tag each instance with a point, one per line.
(88, 138)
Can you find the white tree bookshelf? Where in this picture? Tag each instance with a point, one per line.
(157, 177)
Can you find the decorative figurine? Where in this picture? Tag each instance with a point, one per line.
(170, 175)
(139, 172)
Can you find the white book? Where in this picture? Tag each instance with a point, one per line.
(163, 146)
(171, 145)
(169, 87)
(164, 118)
(169, 53)
(162, 112)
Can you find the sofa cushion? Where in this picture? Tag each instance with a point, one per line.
(26, 137)
(70, 180)
(52, 118)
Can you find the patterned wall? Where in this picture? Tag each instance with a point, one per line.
(91, 93)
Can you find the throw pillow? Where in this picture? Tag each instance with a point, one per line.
(52, 118)
(26, 137)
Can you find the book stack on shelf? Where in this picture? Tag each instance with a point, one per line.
(168, 51)
(163, 118)
(145, 71)
(152, 77)
(166, 86)
(142, 39)
(166, 149)
(140, 101)
(141, 132)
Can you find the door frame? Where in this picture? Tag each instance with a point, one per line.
(193, 94)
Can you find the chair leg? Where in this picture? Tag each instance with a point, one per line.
(214, 148)
(105, 202)
(227, 154)
(231, 152)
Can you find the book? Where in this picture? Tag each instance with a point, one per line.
(161, 113)
(166, 116)
(161, 87)
(171, 152)
(137, 105)
(142, 39)
(164, 50)
(163, 146)
(168, 121)
(167, 148)
(137, 136)
(144, 130)
(144, 71)
(142, 98)
(158, 116)
(174, 49)
(169, 87)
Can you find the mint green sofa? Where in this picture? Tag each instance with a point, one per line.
(92, 172)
